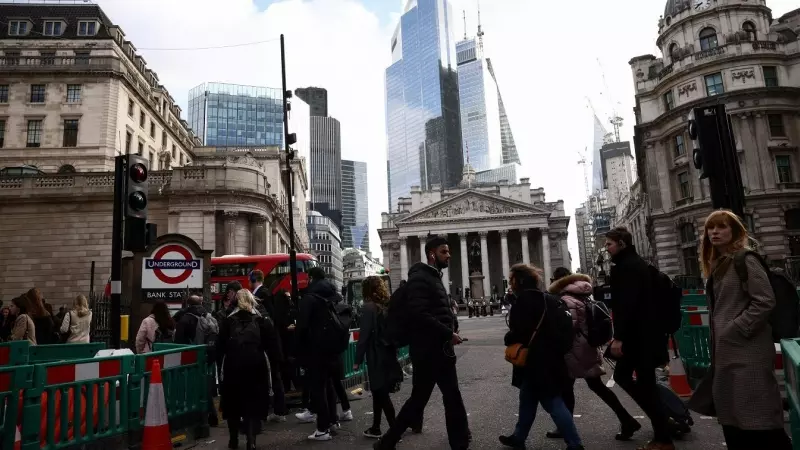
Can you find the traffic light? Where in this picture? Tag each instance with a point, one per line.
(291, 138)
(135, 203)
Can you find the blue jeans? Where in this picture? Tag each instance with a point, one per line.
(528, 403)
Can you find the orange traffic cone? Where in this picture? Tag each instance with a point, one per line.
(156, 425)
(678, 381)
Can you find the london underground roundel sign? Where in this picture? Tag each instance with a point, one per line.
(172, 267)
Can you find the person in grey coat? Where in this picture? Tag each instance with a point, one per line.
(744, 389)
(383, 369)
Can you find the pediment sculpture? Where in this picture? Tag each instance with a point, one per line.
(470, 207)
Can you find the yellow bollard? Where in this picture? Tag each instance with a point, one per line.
(124, 324)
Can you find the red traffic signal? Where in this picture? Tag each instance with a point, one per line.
(138, 173)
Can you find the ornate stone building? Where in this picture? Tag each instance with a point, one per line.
(489, 227)
(53, 226)
(736, 53)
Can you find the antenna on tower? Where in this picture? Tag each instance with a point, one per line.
(465, 23)
(480, 28)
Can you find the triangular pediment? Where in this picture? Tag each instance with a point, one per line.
(474, 204)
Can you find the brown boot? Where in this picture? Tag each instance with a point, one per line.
(657, 446)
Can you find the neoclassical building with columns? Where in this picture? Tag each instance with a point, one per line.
(489, 228)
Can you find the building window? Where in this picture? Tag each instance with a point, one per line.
(708, 39)
(37, 93)
(17, 28)
(174, 152)
(784, 166)
(690, 261)
(152, 159)
(776, 128)
(181, 160)
(680, 146)
(130, 108)
(53, 28)
(3, 93)
(73, 93)
(66, 168)
(714, 84)
(770, 76)
(87, 28)
(669, 100)
(688, 233)
(684, 187)
(34, 133)
(672, 50)
(2, 132)
(750, 223)
(749, 28)
(152, 130)
(163, 140)
(71, 133)
(128, 142)
(48, 58)
(142, 119)
(82, 58)
(140, 151)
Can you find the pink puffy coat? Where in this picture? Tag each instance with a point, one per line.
(583, 361)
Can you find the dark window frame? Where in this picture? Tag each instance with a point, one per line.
(37, 96)
(784, 171)
(770, 76)
(680, 145)
(777, 127)
(719, 88)
(2, 132)
(72, 89)
(708, 38)
(71, 129)
(669, 100)
(34, 133)
(4, 91)
(687, 192)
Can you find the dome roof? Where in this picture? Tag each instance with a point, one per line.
(673, 7)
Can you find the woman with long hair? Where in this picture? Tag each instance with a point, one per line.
(383, 369)
(245, 341)
(6, 323)
(744, 390)
(542, 378)
(77, 322)
(157, 327)
(46, 331)
(24, 327)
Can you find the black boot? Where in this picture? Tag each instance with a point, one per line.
(627, 429)
(511, 441)
(253, 428)
(233, 433)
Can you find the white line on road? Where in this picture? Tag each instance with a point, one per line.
(610, 383)
(577, 416)
(706, 417)
(638, 417)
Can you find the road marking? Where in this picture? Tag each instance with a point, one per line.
(638, 417)
(369, 413)
(577, 416)
(706, 417)
(611, 383)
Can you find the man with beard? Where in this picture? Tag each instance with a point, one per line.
(432, 337)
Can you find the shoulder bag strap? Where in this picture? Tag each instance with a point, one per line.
(539, 325)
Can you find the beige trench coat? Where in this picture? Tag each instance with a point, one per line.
(745, 390)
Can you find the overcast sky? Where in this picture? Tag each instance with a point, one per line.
(548, 58)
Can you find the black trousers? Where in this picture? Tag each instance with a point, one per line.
(249, 427)
(739, 439)
(279, 394)
(338, 386)
(597, 386)
(323, 395)
(382, 405)
(433, 368)
(644, 392)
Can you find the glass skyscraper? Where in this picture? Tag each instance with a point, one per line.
(422, 107)
(355, 206)
(230, 115)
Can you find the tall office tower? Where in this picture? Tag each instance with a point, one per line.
(326, 168)
(230, 115)
(422, 107)
(317, 99)
(355, 205)
(510, 155)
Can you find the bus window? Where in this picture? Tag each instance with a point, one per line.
(232, 270)
(310, 264)
(301, 266)
(276, 274)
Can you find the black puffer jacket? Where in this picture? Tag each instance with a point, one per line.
(429, 312)
(312, 317)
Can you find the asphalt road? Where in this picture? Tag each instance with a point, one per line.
(491, 403)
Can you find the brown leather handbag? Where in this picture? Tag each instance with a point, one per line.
(517, 354)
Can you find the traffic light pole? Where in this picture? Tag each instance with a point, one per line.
(289, 177)
(116, 250)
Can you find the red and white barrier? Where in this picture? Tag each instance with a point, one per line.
(698, 319)
(70, 373)
(171, 360)
(353, 336)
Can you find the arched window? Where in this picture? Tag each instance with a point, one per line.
(672, 49)
(749, 28)
(688, 236)
(688, 233)
(708, 39)
(66, 168)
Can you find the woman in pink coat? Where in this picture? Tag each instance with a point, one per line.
(585, 361)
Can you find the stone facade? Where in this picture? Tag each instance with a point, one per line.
(732, 52)
(490, 227)
(53, 226)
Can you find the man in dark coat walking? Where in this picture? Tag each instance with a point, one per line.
(432, 341)
(638, 344)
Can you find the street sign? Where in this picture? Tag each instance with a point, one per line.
(169, 272)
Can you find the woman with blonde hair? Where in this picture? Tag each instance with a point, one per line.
(77, 322)
(245, 345)
(383, 370)
(744, 390)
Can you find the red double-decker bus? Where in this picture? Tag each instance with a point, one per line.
(277, 276)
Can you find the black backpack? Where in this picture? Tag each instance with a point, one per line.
(164, 335)
(600, 329)
(667, 296)
(785, 317)
(560, 320)
(245, 336)
(334, 333)
(395, 331)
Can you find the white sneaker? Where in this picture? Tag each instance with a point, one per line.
(346, 416)
(276, 418)
(319, 436)
(306, 416)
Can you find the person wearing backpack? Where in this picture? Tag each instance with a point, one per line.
(383, 369)
(640, 342)
(593, 328)
(322, 336)
(157, 327)
(536, 330)
(743, 389)
(244, 343)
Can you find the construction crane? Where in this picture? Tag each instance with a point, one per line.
(615, 119)
(585, 164)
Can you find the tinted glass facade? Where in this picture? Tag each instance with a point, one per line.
(422, 110)
(355, 207)
(326, 243)
(229, 115)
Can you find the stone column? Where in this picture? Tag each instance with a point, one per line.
(464, 261)
(546, 253)
(258, 235)
(268, 236)
(230, 232)
(403, 259)
(526, 255)
(423, 257)
(209, 230)
(173, 222)
(487, 283)
(504, 251)
(565, 250)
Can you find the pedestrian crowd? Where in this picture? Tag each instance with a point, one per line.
(30, 318)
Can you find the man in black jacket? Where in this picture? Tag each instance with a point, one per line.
(432, 340)
(638, 346)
